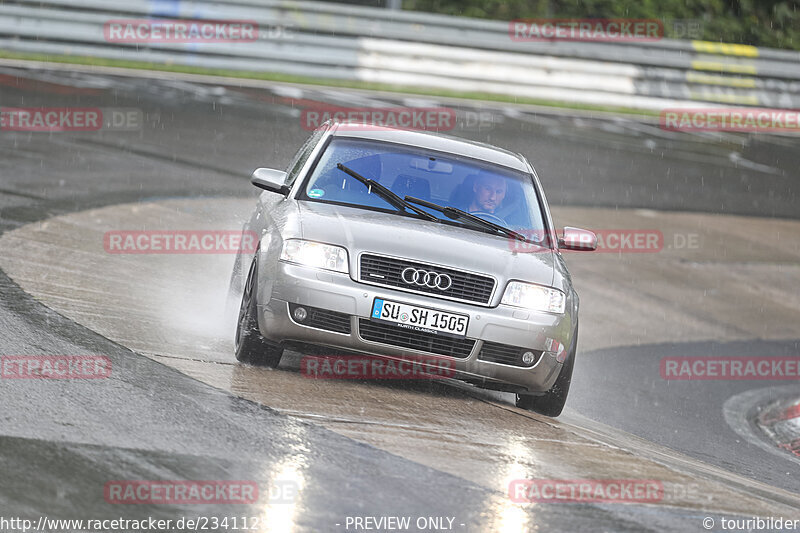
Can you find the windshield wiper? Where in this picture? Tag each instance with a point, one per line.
(386, 194)
(455, 214)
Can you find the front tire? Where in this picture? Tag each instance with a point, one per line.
(552, 402)
(251, 347)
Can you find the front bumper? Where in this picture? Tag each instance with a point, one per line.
(295, 284)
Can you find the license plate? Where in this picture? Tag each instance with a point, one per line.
(421, 319)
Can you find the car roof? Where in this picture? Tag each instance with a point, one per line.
(433, 141)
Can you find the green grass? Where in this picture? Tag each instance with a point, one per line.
(273, 76)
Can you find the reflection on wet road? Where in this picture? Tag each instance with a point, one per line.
(416, 448)
(170, 307)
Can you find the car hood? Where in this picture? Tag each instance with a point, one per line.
(362, 230)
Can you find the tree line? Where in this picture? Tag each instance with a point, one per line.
(770, 23)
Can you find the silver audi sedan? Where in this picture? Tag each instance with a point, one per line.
(412, 245)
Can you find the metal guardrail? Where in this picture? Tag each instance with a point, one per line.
(418, 50)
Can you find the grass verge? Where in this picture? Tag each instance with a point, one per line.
(307, 80)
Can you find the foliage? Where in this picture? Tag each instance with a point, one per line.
(770, 23)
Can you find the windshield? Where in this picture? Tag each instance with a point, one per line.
(496, 194)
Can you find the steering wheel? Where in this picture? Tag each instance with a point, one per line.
(484, 215)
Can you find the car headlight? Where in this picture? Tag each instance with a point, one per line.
(316, 255)
(534, 297)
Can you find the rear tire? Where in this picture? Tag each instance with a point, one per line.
(552, 402)
(251, 346)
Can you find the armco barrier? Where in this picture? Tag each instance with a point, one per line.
(413, 49)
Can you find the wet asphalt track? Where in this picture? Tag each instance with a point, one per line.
(61, 440)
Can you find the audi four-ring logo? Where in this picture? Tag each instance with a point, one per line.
(423, 278)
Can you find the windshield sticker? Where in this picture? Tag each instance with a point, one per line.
(316, 193)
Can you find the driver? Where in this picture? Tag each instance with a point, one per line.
(488, 193)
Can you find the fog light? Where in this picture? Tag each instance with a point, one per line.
(528, 358)
(300, 314)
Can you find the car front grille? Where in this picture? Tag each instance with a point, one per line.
(388, 271)
(414, 340)
(323, 319)
(494, 352)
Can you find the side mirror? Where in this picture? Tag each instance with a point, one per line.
(270, 180)
(578, 239)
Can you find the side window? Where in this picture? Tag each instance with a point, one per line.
(302, 156)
